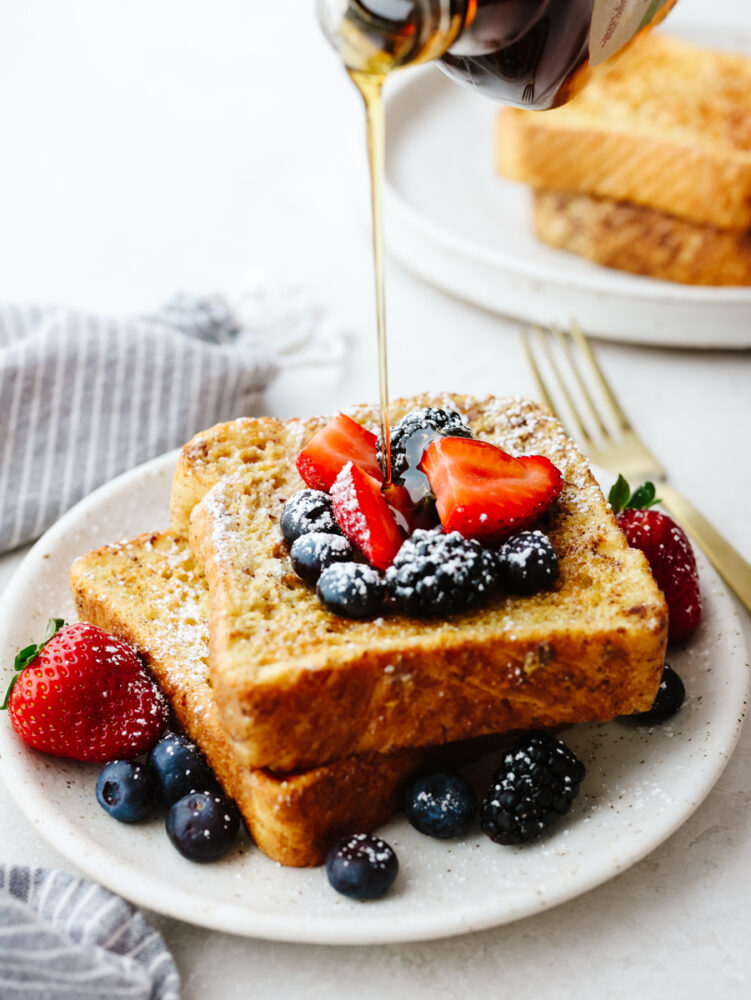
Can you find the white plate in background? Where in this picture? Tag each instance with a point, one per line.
(453, 222)
(641, 785)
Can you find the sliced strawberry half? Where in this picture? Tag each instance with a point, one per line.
(364, 516)
(342, 440)
(486, 494)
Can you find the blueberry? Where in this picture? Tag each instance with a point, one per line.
(527, 563)
(126, 790)
(441, 805)
(180, 768)
(203, 826)
(362, 866)
(312, 553)
(352, 590)
(670, 696)
(306, 511)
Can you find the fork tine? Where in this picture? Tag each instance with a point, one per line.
(541, 387)
(618, 415)
(570, 403)
(583, 389)
(540, 382)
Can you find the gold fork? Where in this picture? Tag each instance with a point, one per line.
(611, 442)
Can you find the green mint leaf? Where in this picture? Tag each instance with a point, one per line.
(644, 496)
(619, 495)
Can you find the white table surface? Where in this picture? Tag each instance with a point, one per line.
(154, 147)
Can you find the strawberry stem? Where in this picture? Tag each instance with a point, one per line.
(28, 654)
(621, 498)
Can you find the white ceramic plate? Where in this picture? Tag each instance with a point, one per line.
(641, 785)
(452, 221)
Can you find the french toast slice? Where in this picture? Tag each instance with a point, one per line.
(296, 686)
(668, 127)
(642, 240)
(150, 592)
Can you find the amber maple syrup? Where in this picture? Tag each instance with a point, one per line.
(529, 53)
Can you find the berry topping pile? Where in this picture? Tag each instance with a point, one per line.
(668, 551)
(437, 545)
(362, 866)
(527, 563)
(436, 573)
(84, 694)
(537, 781)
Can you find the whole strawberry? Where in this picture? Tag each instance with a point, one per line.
(668, 553)
(84, 694)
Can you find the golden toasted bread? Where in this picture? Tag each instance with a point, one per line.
(150, 592)
(297, 686)
(642, 240)
(668, 127)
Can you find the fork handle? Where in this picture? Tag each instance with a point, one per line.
(729, 563)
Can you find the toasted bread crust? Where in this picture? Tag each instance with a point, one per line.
(642, 240)
(668, 127)
(297, 687)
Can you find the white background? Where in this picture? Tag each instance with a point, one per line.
(154, 146)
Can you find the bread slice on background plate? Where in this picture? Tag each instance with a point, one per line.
(667, 128)
(297, 687)
(642, 240)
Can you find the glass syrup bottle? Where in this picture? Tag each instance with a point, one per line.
(529, 53)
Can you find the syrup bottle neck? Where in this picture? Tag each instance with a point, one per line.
(374, 37)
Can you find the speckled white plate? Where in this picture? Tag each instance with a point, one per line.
(641, 785)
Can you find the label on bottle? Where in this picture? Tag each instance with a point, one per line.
(615, 22)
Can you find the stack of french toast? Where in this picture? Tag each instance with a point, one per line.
(313, 722)
(648, 170)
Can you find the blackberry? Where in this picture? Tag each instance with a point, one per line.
(436, 573)
(409, 439)
(670, 696)
(126, 790)
(352, 590)
(441, 805)
(306, 511)
(362, 866)
(312, 553)
(527, 563)
(537, 781)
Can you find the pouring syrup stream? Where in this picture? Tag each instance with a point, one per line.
(370, 86)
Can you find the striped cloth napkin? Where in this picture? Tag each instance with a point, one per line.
(83, 397)
(65, 938)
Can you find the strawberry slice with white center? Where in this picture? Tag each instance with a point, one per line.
(486, 494)
(342, 440)
(364, 516)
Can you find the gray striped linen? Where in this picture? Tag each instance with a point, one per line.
(65, 938)
(82, 398)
